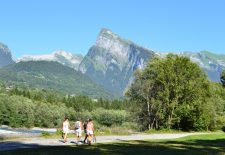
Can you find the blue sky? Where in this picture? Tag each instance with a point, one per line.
(42, 26)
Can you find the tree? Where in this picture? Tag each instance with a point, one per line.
(217, 107)
(170, 92)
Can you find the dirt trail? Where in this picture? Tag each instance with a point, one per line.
(36, 141)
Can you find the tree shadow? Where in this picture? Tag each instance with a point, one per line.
(193, 147)
(190, 147)
(201, 146)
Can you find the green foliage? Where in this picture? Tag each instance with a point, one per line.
(52, 75)
(114, 104)
(59, 132)
(216, 107)
(16, 111)
(82, 115)
(109, 117)
(45, 134)
(113, 130)
(131, 125)
(25, 107)
(172, 92)
(79, 103)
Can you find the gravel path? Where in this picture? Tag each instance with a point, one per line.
(36, 141)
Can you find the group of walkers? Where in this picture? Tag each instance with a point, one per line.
(87, 126)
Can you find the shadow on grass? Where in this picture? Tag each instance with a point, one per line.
(189, 147)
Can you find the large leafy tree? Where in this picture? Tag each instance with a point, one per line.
(171, 92)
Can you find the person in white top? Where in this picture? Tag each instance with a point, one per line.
(66, 129)
(78, 130)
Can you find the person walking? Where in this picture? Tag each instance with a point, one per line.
(65, 127)
(78, 130)
(85, 129)
(90, 131)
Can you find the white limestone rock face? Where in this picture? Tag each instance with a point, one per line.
(5, 55)
(112, 60)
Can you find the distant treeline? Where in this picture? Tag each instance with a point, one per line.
(24, 107)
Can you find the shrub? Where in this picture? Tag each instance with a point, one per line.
(131, 126)
(83, 115)
(115, 130)
(109, 117)
(45, 134)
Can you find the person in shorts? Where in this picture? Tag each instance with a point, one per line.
(65, 129)
(78, 130)
(85, 129)
(90, 131)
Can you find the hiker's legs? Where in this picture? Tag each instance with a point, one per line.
(85, 138)
(90, 136)
(86, 135)
(79, 134)
(65, 137)
(94, 138)
(62, 135)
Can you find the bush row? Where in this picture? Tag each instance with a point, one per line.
(19, 111)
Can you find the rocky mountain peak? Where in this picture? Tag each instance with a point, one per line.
(4, 49)
(112, 60)
(106, 33)
(113, 44)
(5, 55)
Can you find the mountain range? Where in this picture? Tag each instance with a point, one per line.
(212, 64)
(52, 75)
(109, 63)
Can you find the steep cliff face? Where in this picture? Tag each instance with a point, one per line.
(112, 60)
(5, 55)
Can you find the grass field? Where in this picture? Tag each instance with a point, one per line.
(213, 143)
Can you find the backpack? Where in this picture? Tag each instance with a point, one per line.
(77, 125)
